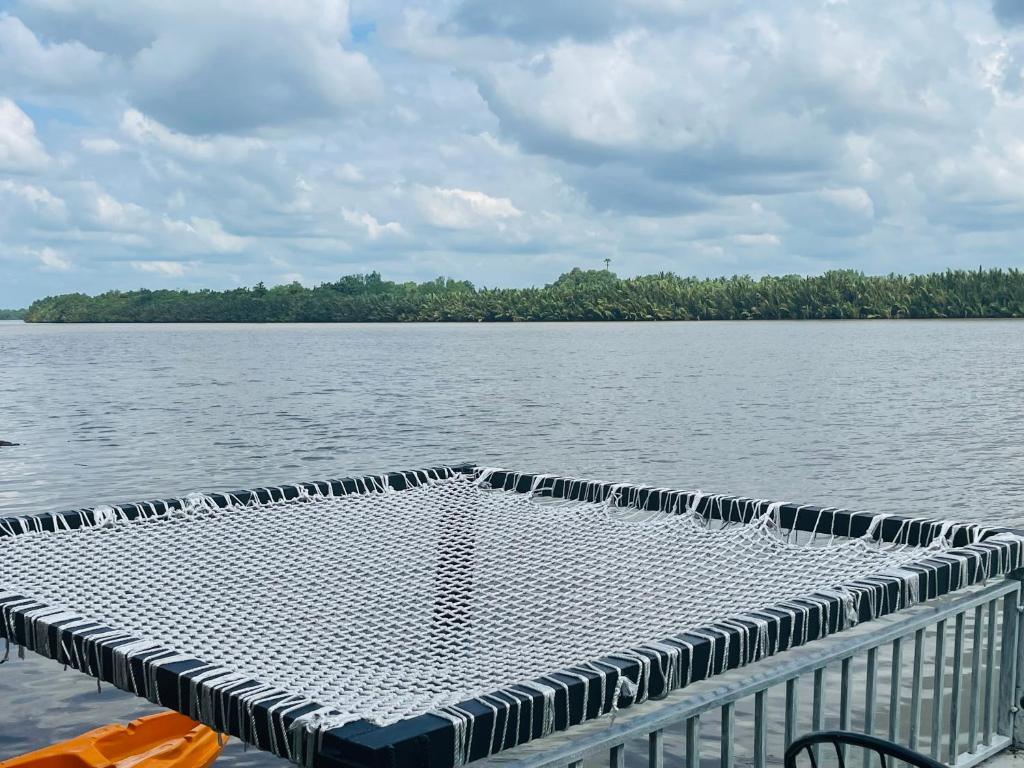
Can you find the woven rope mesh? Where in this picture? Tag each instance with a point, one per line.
(388, 605)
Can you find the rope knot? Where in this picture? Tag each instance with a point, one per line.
(104, 515)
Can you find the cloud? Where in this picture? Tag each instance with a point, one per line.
(632, 107)
(205, 234)
(51, 260)
(982, 189)
(504, 143)
(1009, 12)
(20, 148)
(852, 200)
(163, 268)
(100, 146)
(39, 198)
(536, 21)
(374, 229)
(348, 173)
(533, 21)
(199, 68)
(145, 130)
(761, 101)
(764, 238)
(234, 86)
(463, 208)
(112, 213)
(496, 144)
(623, 187)
(28, 65)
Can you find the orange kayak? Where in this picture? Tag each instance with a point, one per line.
(165, 740)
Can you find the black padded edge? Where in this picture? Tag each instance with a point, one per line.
(428, 741)
(79, 649)
(915, 531)
(78, 518)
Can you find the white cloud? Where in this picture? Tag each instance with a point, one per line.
(853, 200)
(374, 229)
(609, 94)
(176, 200)
(205, 234)
(454, 208)
(51, 260)
(348, 173)
(163, 268)
(552, 20)
(111, 212)
(763, 238)
(20, 148)
(146, 130)
(506, 150)
(26, 64)
(198, 67)
(772, 98)
(40, 198)
(406, 115)
(101, 146)
(694, 136)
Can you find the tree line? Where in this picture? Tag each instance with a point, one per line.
(576, 295)
(12, 314)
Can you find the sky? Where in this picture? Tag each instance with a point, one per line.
(218, 143)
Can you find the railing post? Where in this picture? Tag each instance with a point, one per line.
(1007, 721)
(1018, 688)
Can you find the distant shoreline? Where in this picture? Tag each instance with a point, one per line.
(577, 296)
(840, 320)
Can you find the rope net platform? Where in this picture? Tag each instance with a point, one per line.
(433, 617)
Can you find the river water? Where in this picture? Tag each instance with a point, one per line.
(904, 417)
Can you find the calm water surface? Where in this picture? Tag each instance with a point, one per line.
(904, 417)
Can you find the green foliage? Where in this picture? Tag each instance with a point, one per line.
(12, 314)
(576, 295)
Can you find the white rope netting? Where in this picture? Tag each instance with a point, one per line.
(388, 605)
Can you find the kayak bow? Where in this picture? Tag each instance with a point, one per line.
(165, 740)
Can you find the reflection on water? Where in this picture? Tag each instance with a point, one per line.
(911, 417)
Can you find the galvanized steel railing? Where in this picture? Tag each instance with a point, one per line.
(892, 677)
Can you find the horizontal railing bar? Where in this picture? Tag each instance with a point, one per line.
(967, 759)
(561, 748)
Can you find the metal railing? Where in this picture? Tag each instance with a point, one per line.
(893, 677)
